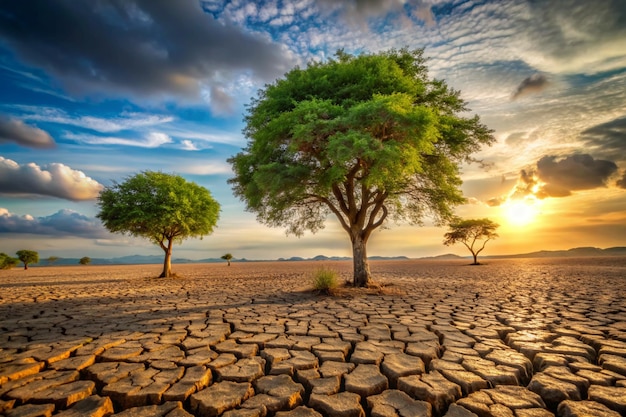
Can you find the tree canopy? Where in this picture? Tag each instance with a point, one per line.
(7, 262)
(366, 138)
(27, 257)
(227, 257)
(163, 208)
(473, 233)
(85, 260)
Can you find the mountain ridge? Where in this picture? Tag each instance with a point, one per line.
(585, 251)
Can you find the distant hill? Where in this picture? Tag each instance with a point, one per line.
(570, 253)
(444, 257)
(156, 259)
(128, 260)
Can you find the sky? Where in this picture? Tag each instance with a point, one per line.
(92, 92)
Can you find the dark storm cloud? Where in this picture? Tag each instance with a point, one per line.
(573, 173)
(145, 47)
(533, 84)
(62, 223)
(608, 139)
(13, 130)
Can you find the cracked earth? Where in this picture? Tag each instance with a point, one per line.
(518, 338)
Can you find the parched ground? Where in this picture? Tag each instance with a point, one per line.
(519, 338)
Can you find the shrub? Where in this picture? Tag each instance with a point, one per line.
(325, 280)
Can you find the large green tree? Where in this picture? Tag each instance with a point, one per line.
(367, 138)
(27, 257)
(164, 208)
(473, 233)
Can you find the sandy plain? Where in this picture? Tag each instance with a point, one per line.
(513, 337)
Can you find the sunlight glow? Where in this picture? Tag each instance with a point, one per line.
(521, 212)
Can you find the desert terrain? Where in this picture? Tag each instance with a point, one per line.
(512, 337)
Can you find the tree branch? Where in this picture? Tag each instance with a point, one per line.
(334, 209)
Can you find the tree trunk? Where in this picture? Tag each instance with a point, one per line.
(475, 258)
(167, 263)
(362, 276)
(25, 265)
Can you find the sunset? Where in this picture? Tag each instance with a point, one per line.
(169, 93)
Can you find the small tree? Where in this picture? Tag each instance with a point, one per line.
(163, 208)
(52, 259)
(364, 138)
(27, 257)
(471, 232)
(85, 260)
(7, 262)
(227, 257)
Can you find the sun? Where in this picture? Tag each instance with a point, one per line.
(521, 212)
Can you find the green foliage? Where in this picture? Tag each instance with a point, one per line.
(52, 259)
(366, 138)
(85, 260)
(163, 208)
(325, 280)
(471, 232)
(8, 262)
(227, 257)
(27, 257)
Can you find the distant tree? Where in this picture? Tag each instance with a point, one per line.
(227, 257)
(85, 260)
(7, 262)
(471, 233)
(27, 257)
(366, 138)
(52, 259)
(163, 208)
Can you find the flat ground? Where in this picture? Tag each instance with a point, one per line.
(535, 337)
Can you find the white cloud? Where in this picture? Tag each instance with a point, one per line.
(125, 121)
(189, 145)
(55, 180)
(213, 168)
(150, 140)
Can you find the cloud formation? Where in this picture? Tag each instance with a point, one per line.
(621, 183)
(576, 36)
(573, 173)
(554, 177)
(533, 84)
(359, 11)
(13, 130)
(150, 140)
(124, 121)
(144, 48)
(55, 180)
(608, 139)
(62, 223)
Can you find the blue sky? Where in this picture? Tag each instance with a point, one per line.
(93, 92)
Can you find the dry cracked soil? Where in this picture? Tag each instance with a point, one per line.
(511, 338)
